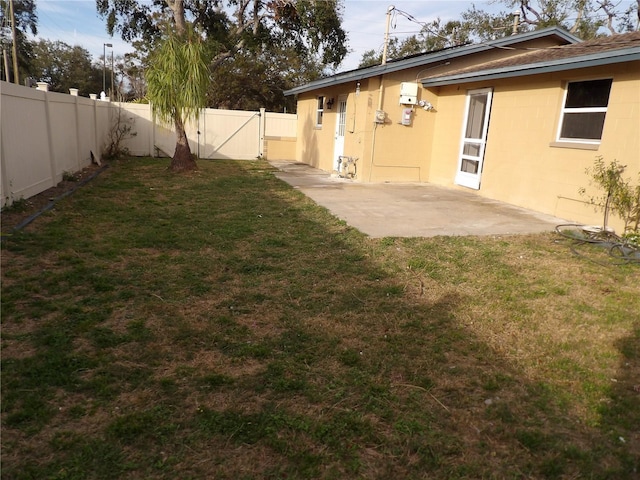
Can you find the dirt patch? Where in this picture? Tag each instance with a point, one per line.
(11, 217)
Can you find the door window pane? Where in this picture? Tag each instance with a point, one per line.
(469, 166)
(475, 123)
(471, 149)
(342, 117)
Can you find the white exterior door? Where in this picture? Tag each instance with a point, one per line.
(341, 123)
(474, 138)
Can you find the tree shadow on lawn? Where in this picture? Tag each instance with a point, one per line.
(221, 325)
(620, 412)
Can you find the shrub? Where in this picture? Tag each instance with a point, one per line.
(620, 197)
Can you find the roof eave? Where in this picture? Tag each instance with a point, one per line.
(428, 59)
(585, 61)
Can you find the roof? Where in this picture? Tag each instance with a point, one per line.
(438, 57)
(590, 53)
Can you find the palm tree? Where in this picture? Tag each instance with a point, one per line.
(177, 82)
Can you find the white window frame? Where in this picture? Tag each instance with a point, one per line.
(319, 110)
(566, 110)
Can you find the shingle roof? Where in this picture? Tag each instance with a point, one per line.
(431, 58)
(599, 51)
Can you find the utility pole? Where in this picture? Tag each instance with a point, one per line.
(384, 56)
(386, 35)
(112, 93)
(14, 49)
(104, 65)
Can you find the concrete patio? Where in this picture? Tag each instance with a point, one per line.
(411, 209)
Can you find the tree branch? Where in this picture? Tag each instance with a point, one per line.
(609, 10)
(525, 6)
(576, 24)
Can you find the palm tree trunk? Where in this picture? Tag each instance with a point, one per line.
(177, 7)
(182, 160)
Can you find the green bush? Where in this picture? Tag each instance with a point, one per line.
(620, 197)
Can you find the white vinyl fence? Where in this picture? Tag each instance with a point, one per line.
(45, 134)
(216, 134)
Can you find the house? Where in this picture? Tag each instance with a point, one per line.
(518, 119)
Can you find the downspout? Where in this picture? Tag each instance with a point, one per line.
(375, 125)
(373, 146)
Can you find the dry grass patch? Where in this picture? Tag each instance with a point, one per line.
(221, 325)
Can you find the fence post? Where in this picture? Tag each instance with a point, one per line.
(261, 131)
(153, 130)
(204, 129)
(96, 146)
(6, 183)
(78, 152)
(52, 155)
(198, 131)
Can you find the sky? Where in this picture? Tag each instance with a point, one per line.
(77, 22)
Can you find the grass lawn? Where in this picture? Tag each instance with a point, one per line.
(220, 325)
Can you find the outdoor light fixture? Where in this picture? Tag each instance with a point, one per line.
(104, 65)
(329, 103)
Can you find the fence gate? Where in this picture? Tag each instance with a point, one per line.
(217, 134)
(229, 134)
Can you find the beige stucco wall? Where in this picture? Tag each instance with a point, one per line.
(280, 148)
(313, 142)
(521, 165)
(385, 152)
(398, 152)
(389, 151)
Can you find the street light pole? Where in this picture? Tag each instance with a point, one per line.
(104, 65)
(112, 93)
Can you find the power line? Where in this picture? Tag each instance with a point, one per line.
(424, 25)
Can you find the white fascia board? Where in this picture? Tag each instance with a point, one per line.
(585, 61)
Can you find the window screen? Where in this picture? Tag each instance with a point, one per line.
(584, 110)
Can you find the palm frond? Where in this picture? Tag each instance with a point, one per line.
(178, 77)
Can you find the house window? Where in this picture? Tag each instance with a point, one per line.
(319, 111)
(585, 107)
